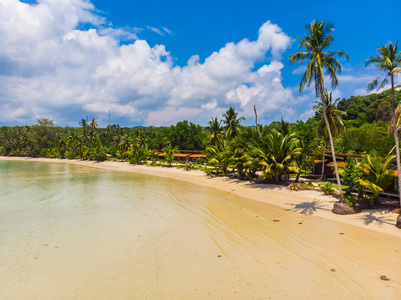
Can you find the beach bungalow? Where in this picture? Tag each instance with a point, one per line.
(341, 161)
(328, 164)
(185, 156)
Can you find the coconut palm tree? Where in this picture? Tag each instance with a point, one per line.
(388, 59)
(94, 124)
(319, 61)
(169, 154)
(84, 126)
(232, 122)
(277, 153)
(379, 170)
(337, 125)
(219, 156)
(215, 132)
(302, 159)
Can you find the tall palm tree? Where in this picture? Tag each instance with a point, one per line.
(232, 122)
(94, 124)
(317, 39)
(215, 132)
(388, 59)
(337, 125)
(84, 126)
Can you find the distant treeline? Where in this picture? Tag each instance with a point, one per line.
(366, 121)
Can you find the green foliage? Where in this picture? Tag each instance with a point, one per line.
(368, 109)
(349, 199)
(379, 170)
(215, 133)
(277, 153)
(232, 121)
(366, 138)
(327, 188)
(351, 173)
(368, 185)
(169, 154)
(186, 136)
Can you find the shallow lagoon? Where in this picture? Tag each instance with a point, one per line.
(69, 231)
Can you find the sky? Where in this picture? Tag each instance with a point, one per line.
(154, 63)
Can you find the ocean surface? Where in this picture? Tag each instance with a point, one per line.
(73, 232)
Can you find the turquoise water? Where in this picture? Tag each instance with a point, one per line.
(74, 232)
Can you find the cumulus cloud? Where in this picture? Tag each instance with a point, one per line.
(51, 68)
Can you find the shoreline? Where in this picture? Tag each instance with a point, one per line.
(308, 203)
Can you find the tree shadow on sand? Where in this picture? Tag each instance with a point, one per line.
(307, 208)
(370, 218)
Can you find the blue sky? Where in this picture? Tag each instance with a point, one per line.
(159, 62)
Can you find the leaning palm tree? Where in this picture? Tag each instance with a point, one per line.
(389, 61)
(232, 122)
(317, 39)
(336, 124)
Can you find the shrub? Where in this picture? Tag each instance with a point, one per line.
(327, 188)
(350, 199)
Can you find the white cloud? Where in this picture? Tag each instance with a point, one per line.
(156, 30)
(124, 34)
(167, 30)
(50, 68)
(307, 114)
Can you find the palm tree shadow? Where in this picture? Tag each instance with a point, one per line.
(370, 218)
(307, 208)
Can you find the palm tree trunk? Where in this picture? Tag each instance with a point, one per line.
(256, 120)
(324, 156)
(298, 175)
(396, 139)
(340, 191)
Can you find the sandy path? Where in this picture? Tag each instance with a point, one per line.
(306, 202)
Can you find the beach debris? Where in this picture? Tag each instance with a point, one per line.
(276, 220)
(218, 255)
(341, 233)
(45, 245)
(385, 278)
(332, 270)
(257, 216)
(300, 223)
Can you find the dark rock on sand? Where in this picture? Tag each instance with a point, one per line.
(342, 208)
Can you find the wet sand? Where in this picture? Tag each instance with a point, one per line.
(213, 244)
